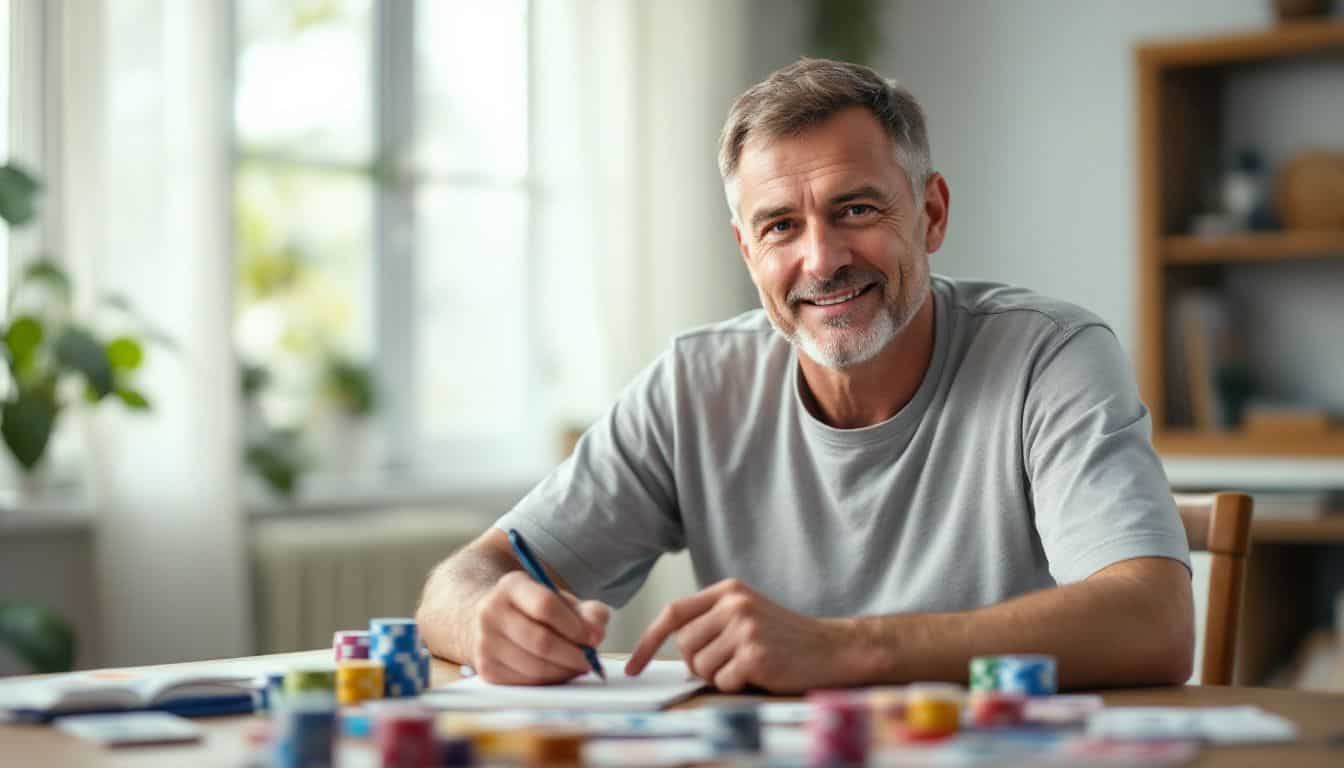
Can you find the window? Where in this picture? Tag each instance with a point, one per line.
(383, 204)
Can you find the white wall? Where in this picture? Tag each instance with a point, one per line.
(1031, 118)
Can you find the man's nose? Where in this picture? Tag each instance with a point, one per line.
(825, 252)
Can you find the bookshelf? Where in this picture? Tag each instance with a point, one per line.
(1180, 87)
(1186, 94)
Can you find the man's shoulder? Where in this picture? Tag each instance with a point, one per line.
(749, 333)
(1016, 306)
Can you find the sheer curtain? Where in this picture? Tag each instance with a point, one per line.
(632, 238)
(144, 169)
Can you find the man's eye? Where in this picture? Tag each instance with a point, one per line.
(858, 209)
(779, 227)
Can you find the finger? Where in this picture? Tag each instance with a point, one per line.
(597, 615)
(494, 670)
(534, 670)
(731, 676)
(546, 607)
(700, 632)
(712, 656)
(673, 617)
(540, 641)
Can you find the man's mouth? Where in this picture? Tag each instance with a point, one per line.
(836, 299)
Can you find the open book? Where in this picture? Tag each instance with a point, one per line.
(185, 692)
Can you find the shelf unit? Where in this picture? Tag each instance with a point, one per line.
(1180, 89)
(1179, 86)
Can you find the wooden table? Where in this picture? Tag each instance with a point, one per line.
(1318, 715)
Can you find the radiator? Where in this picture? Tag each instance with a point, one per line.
(315, 575)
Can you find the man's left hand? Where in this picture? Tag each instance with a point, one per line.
(733, 637)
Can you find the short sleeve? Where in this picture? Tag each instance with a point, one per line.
(1098, 488)
(604, 516)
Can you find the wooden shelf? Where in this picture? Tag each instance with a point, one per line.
(1282, 40)
(1322, 530)
(1195, 443)
(1252, 246)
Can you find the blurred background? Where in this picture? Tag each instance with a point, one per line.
(301, 294)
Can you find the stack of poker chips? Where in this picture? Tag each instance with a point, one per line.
(1027, 675)
(838, 730)
(887, 709)
(1000, 686)
(733, 729)
(310, 679)
(359, 680)
(350, 644)
(395, 644)
(404, 737)
(305, 732)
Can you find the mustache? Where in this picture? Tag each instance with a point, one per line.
(846, 279)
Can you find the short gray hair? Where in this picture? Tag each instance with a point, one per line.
(807, 92)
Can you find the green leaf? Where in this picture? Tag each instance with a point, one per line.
(78, 349)
(17, 193)
(125, 353)
(23, 337)
(26, 423)
(49, 272)
(38, 636)
(133, 400)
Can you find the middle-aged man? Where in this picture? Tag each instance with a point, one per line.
(880, 476)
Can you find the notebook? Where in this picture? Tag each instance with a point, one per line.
(662, 683)
(188, 692)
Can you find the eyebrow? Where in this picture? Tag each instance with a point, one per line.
(866, 191)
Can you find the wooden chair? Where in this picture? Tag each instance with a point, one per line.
(1219, 524)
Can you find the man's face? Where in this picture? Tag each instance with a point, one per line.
(827, 224)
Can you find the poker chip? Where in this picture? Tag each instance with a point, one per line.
(359, 680)
(887, 709)
(404, 737)
(733, 728)
(991, 709)
(300, 680)
(395, 643)
(454, 751)
(1028, 675)
(305, 732)
(1031, 675)
(838, 728)
(552, 747)
(350, 644)
(932, 710)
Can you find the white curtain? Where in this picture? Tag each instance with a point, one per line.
(632, 235)
(144, 168)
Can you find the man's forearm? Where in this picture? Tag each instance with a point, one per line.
(1124, 629)
(451, 592)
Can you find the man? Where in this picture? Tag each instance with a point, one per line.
(880, 476)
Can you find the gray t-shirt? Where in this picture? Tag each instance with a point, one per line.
(1023, 461)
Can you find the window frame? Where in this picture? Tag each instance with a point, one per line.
(506, 460)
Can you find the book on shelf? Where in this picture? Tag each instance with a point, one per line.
(1206, 370)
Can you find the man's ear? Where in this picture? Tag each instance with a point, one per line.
(936, 202)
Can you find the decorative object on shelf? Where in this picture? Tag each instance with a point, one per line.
(52, 357)
(1296, 10)
(276, 455)
(38, 637)
(1310, 190)
(1243, 191)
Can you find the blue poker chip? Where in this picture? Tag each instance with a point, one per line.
(1029, 675)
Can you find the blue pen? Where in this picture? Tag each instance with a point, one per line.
(534, 569)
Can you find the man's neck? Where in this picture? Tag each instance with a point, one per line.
(872, 392)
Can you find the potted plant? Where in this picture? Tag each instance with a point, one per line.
(54, 358)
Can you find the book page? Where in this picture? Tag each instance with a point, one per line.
(663, 683)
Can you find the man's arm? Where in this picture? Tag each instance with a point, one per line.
(1128, 624)
(478, 607)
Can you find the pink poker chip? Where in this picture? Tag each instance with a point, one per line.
(351, 644)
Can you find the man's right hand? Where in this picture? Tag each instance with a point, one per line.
(524, 634)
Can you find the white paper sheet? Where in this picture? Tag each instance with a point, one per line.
(661, 684)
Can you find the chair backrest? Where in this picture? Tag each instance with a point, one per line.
(1220, 524)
